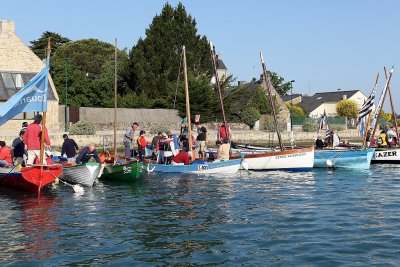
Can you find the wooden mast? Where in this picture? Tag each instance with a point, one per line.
(221, 101)
(375, 122)
(41, 157)
(393, 111)
(115, 101)
(187, 101)
(267, 84)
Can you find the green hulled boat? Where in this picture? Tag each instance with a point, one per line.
(127, 172)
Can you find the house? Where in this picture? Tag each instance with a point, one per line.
(18, 64)
(292, 99)
(222, 70)
(318, 103)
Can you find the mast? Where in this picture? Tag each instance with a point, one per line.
(115, 102)
(393, 111)
(214, 65)
(268, 85)
(187, 100)
(380, 104)
(41, 157)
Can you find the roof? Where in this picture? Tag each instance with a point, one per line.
(221, 65)
(8, 87)
(289, 97)
(310, 103)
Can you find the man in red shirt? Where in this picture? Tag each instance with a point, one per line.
(181, 158)
(5, 155)
(32, 140)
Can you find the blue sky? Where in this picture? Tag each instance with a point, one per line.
(322, 45)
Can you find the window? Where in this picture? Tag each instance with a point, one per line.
(12, 80)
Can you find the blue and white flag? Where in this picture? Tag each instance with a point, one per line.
(361, 127)
(32, 97)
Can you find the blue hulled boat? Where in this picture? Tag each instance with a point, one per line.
(199, 167)
(349, 159)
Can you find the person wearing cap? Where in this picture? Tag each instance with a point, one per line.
(142, 143)
(32, 139)
(128, 139)
(69, 148)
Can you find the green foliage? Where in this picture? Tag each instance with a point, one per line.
(347, 108)
(310, 127)
(270, 126)
(203, 99)
(250, 115)
(278, 83)
(39, 46)
(82, 128)
(385, 116)
(337, 127)
(296, 111)
(88, 67)
(154, 61)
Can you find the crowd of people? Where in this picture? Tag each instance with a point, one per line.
(164, 148)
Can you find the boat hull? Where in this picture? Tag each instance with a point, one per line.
(200, 167)
(128, 172)
(348, 159)
(386, 156)
(288, 160)
(83, 174)
(31, 179)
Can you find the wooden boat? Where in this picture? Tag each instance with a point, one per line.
(31, 179)
(348, 159)
(199, 167)
(83, 174)
(386, 156)
(287, 160)
(127, 172)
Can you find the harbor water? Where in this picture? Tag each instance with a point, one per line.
(317, 218)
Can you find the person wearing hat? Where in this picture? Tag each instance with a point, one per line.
(32, 139)
(128, 139)
(142, 143)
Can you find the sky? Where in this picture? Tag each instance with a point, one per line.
(322, 45)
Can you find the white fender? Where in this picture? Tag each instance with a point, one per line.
(329, 163)
(148, 168)
(78, 189)
(244, 165)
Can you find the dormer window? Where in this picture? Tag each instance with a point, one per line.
(12, 80)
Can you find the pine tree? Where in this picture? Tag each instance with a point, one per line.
(39, 46)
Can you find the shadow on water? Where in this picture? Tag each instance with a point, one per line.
(28, 225)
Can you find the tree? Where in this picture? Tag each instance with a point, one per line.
(296, 111)
(347, 108)
(250, 115)
(385, 116)
(278, 83)
(88, 67)
(39, 46)
(154, 61)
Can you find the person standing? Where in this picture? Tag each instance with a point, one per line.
(32, 139)
(69, 147)
(128, 139)
(86, 154)
(18, 149)
(202, 140)
(142, 143)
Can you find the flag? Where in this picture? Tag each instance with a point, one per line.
(32, 97)
(361, 127)
(367, 106)
(324, 121)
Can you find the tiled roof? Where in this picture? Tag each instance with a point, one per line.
(310, 103)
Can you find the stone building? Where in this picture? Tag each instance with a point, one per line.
(18, 64)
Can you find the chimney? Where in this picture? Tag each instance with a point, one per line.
(6, 26)
(261, 77)
(344, 97)
(219, 57)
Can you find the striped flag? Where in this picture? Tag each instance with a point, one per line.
(366, 107)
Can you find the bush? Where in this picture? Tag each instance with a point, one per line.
(338, 127)
(250, 115)
(270, 126)
(82, 128)
(310, 127)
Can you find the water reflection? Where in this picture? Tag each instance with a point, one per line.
(29, 232)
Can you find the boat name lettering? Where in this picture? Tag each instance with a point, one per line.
(202, 167)
(290, 155)
(126, 169)
(386, 154)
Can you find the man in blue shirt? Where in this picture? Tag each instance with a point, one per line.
(86, 154)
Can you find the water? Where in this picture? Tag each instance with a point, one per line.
(318, 218)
